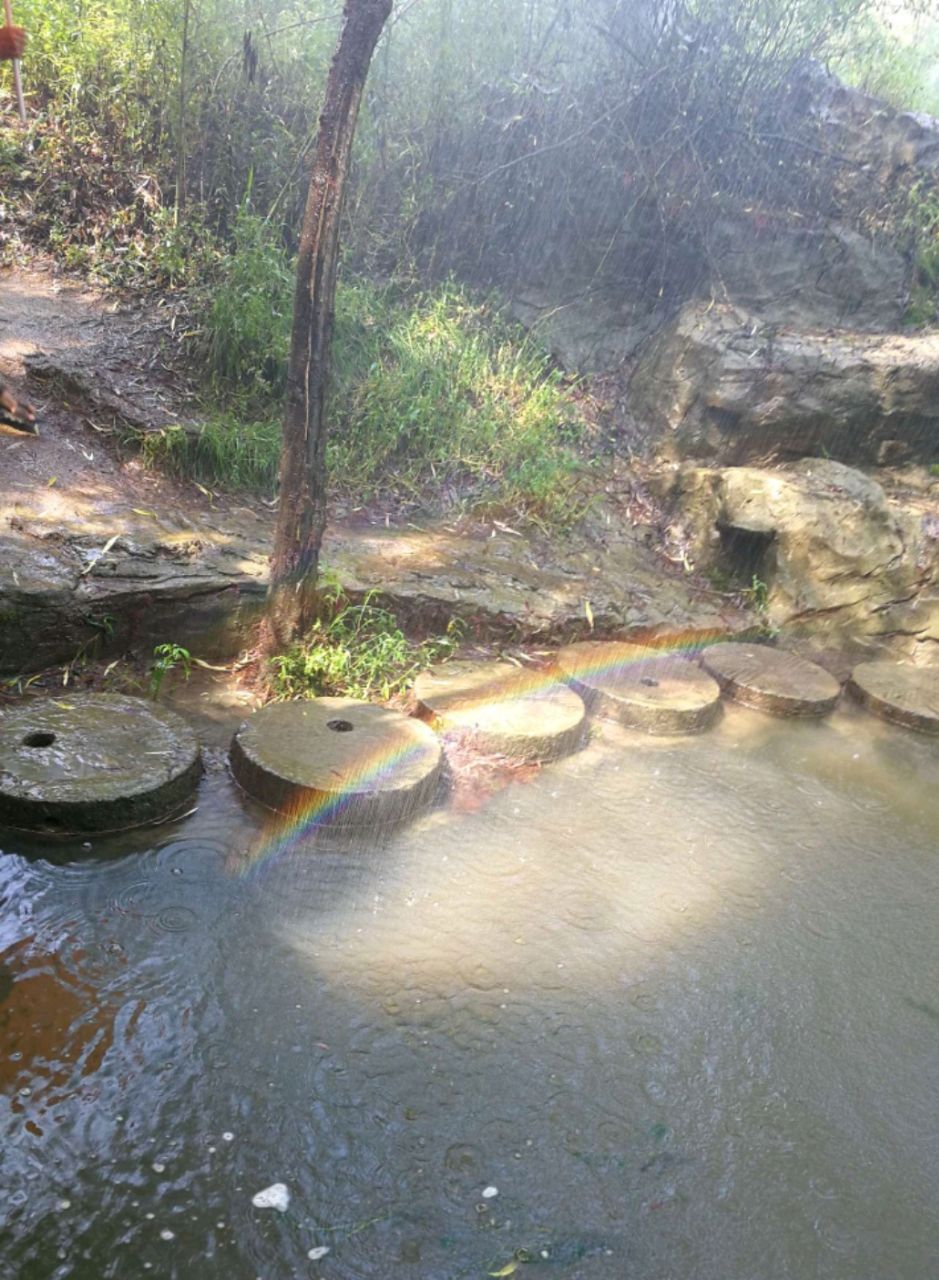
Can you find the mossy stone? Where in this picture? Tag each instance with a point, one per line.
(92, 762)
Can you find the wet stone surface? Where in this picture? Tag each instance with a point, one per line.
(93, 762)
(905, 695)
(337, 760)
(771, 679)
(643, 688)
(526, 715)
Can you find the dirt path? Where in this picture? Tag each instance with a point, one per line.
(71, 463)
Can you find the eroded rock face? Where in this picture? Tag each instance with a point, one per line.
(722, 383)
(808, 276)
(841, 558)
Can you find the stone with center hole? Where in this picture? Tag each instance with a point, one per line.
(337, 761)
(643, 687)
(93, 762)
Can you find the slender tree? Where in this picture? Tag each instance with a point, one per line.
(301, 517)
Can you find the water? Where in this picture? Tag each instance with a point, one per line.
(676, 1002)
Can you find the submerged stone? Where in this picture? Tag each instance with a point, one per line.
(93, 762)
(771, 679)
(337, 760)
(526, 715)
(906, 695)
(644, 688)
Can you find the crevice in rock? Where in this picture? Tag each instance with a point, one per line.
(746, 555)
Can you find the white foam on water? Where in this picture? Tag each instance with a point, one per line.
(276, 1196)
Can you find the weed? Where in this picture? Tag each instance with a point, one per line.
(358, 650)
(758, 594)
(934, 469)
(166, 658)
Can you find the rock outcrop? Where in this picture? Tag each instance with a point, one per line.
(104, 582)
(840, 557)
(809, 276)
(724, 384)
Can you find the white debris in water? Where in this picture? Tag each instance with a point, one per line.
(166, 1234)
(228, 1137)
(489, 1192)
(64, 1204)
(157, 1167)
(320, 1251)
(276, 1196)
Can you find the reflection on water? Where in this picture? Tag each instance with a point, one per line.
(667, 1009)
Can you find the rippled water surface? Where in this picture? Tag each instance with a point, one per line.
(676, 1002)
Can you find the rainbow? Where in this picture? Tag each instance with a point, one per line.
(317, 810)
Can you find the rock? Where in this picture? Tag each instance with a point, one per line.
(771, 679)
(866, 130)
(93, 762)
(808, 276)
(906, 695)
(643, 688)
(525, 715)
(61, 598)
(164, 578)
(587, 331)
(336, 761)
(722, 384)
(839, 558)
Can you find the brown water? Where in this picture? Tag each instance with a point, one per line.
(677, 1002)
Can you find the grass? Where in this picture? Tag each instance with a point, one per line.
(359, 651)
(435, 394)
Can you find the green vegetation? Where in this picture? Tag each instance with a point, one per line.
(434, 392)
(922, 229)
(499, 143)
(357, 650)
(167, 658)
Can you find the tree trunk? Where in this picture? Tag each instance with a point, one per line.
(301, 517)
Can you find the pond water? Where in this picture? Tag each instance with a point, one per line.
(667, 1011)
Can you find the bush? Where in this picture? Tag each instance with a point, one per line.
(359, 651)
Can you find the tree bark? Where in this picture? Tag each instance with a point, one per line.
(301, 517)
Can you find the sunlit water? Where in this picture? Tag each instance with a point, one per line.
(677, 1002)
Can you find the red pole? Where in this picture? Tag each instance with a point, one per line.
(17, 80)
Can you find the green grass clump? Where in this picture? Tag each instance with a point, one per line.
(435, 395)
(359, 651)
(226, 450)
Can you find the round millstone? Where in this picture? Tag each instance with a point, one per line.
(905, 695)
(526, 715)
(337, 760)
(643, 688)
(93, 762)
(771, 679)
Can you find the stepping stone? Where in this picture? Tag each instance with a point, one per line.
(337, 760)
(643, 688)
(906, 695)
(771, 679)
(93, 762)
(526, 715)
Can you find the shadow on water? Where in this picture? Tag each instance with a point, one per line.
(667, 1008)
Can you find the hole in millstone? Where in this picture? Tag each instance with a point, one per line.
(339, 726)
(653, 684)
(39, 738)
